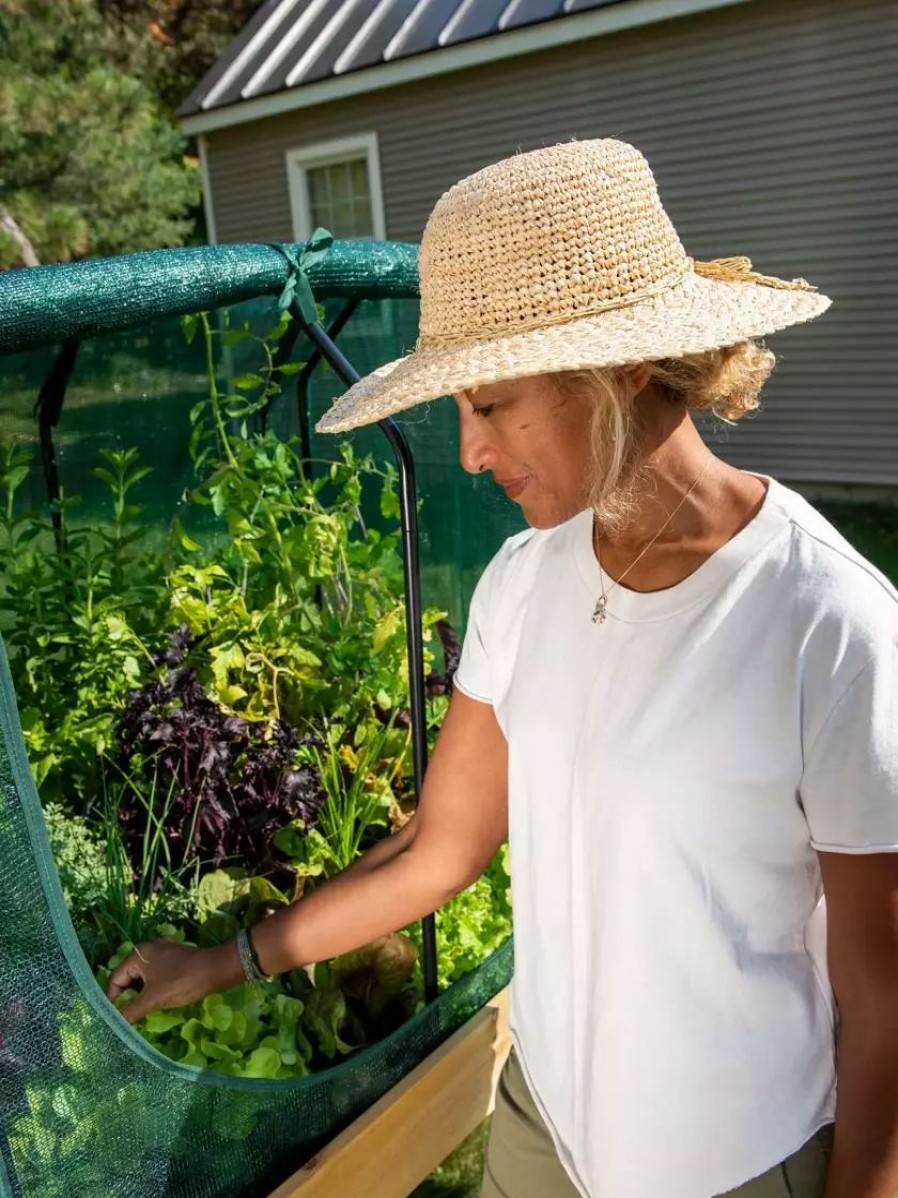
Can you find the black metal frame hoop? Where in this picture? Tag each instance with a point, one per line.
(408, 513)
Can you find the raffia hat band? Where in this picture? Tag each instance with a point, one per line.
(724, 270)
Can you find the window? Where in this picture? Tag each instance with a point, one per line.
(337, 185)
(340, 197)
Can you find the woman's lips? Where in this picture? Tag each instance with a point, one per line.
(514, 486)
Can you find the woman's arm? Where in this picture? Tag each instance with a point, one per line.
(460, 824)
(862, 947)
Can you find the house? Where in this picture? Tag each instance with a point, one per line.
(772, 127)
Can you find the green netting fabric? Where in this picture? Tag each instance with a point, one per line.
(46, 304)
(87, 1108)
(135, 380)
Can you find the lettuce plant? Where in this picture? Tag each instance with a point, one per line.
(474, 924)
(292, 1026)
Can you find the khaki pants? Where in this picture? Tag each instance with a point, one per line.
(521, 1161)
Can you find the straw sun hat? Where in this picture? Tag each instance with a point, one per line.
(558, 259)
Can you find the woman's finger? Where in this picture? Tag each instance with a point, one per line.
(131, 970)
(135, 1010)
(173, 975)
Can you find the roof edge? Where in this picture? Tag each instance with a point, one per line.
(509, 44)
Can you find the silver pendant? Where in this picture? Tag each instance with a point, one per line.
(598, 615)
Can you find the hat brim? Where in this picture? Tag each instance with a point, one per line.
(698, 314)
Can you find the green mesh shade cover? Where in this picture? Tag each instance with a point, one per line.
(87, 1108)
(47, 304)
(135, 379)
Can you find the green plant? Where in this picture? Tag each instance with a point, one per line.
(136, 897)
(284, 610)
(249, 1031)
(461, 1174)
(474, 924)
(233, 782)
(295, 602)
(302, 602)
(70, 85)
(230, 899)
(67, 1131)
(107, 899)
(872, 528)
(358, 780)
(81, 608)
(289, 1027)
(80, 855)
(65, 1126)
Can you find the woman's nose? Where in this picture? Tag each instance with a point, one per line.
(474, 450)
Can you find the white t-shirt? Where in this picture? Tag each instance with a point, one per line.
(671, 773)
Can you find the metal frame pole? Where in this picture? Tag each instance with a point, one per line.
(302, 384)
(412, 573)
(48, 409)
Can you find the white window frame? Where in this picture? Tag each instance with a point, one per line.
(326, 153)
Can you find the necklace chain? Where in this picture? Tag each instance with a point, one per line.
(599, 614)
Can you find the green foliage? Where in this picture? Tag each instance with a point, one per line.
(474, 924)
(137, 895)
(68, 1124)
(230, 899)
(300, 602)
(286, 605)
(80, 856)
(179, 39)
(374, 975)
(107, 900)
(872, 528)
(288, 1027)
(461, 1174)
(82, 607)
(68, 1128)
(92, 164)
(249, 1031)
(359, 780)
(296, 603)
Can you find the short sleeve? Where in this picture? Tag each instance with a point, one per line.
(472, 677)
(849, 786)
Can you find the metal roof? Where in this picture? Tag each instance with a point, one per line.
(291, 43)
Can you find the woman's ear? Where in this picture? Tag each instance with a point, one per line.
(637, 377)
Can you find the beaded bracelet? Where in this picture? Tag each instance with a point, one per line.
(248, 959)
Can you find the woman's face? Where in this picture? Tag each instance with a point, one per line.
(535, 444)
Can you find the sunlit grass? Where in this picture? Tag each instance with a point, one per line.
(459, 1175)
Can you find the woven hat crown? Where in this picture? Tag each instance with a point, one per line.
(542, 238)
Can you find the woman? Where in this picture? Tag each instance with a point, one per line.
(678, 697)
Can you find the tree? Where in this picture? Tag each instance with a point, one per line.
(187, 37)
(91, 163)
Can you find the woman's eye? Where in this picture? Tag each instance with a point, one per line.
(485, 410)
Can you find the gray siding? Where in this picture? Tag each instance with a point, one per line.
(772, 128)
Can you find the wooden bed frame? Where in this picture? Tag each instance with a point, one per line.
(401, 1139)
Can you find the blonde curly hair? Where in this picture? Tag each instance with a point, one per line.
(725, 381)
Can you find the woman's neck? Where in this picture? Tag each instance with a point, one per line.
(721, 502)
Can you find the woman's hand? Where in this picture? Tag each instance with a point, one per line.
(173, 975)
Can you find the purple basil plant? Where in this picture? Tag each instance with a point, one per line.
(440, 683)
(229, 783)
